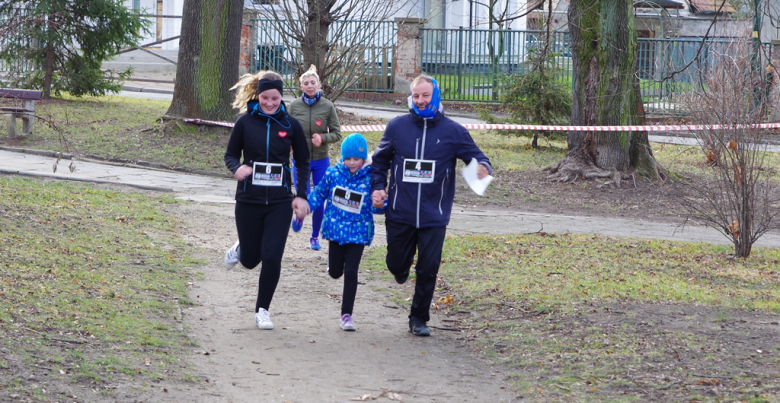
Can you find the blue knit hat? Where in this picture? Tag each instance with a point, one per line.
(354, 146)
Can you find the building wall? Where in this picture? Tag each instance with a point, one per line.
(160, 28)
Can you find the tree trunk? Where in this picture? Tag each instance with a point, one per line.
(315, 44)
(48, 68)
(606, 93)
(208, 59)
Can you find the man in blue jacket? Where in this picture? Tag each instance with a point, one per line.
(420, 151)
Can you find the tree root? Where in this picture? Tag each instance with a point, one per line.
(570, 168)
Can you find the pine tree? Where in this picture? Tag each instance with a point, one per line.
(66, 42)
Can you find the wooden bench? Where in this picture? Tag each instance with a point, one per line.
(26, 112)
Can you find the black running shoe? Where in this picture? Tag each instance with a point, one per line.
(418, 328)
(401, 278)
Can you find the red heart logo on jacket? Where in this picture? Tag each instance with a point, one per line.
(282, 134)
(318, 123)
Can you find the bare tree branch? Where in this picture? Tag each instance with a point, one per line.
(337, 37)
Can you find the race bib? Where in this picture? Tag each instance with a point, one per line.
(266, 174)
(347, 200)
(419, 171)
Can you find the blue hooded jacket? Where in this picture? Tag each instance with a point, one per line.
(339, 225)
(438, 138)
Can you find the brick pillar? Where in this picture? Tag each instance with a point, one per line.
(247, 55)
(408, 53)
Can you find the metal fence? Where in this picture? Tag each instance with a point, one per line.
(17, 66)
(669, 69)
(375, 69)
(469, 63)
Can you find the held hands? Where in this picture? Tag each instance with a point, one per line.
(378, 198)
(300, 207)
(316, 139)
(242, 172)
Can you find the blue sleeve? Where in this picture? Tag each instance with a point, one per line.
(321, 192)
(382, 210)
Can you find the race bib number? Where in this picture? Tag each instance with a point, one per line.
(419, 171)
(266, 174)
(347, 200)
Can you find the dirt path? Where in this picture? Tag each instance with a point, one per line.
(307, 358)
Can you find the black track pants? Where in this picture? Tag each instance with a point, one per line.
(402, 243)
(345, 260)
(262, 233)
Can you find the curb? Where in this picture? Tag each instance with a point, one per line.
(140, 164)
(39, 175)
(144, 89)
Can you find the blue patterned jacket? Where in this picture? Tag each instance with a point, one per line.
(340, 225)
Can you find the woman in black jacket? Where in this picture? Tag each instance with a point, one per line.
(263, 135)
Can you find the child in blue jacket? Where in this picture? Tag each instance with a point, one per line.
(348, 223)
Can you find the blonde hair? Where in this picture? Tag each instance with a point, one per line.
(312, 71)
(247, 87)
(419, 79)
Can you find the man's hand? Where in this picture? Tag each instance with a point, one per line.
(242, 172)
(300, 207)
(482, 171)
(378, 198)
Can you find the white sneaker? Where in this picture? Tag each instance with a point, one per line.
(263, 320)
(232, 256)
(347, 323)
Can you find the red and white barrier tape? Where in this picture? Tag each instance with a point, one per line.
(481, 126)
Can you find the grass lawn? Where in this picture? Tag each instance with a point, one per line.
(591, 318)
(92, 284)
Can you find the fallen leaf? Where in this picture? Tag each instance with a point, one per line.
(147, 361)
(361, 398)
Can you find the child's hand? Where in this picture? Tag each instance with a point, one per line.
(378, 198)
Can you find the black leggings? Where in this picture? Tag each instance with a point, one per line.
(262, 234)
(345, 259)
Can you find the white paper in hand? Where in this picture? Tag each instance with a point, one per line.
(469, 173)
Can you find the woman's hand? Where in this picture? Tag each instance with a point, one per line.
(316, 139)
(242, 172)
(300, 207)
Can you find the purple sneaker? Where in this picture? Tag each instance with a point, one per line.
(297, 223)
(315, 244)
(347, 323)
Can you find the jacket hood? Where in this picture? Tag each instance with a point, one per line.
(253, 107)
